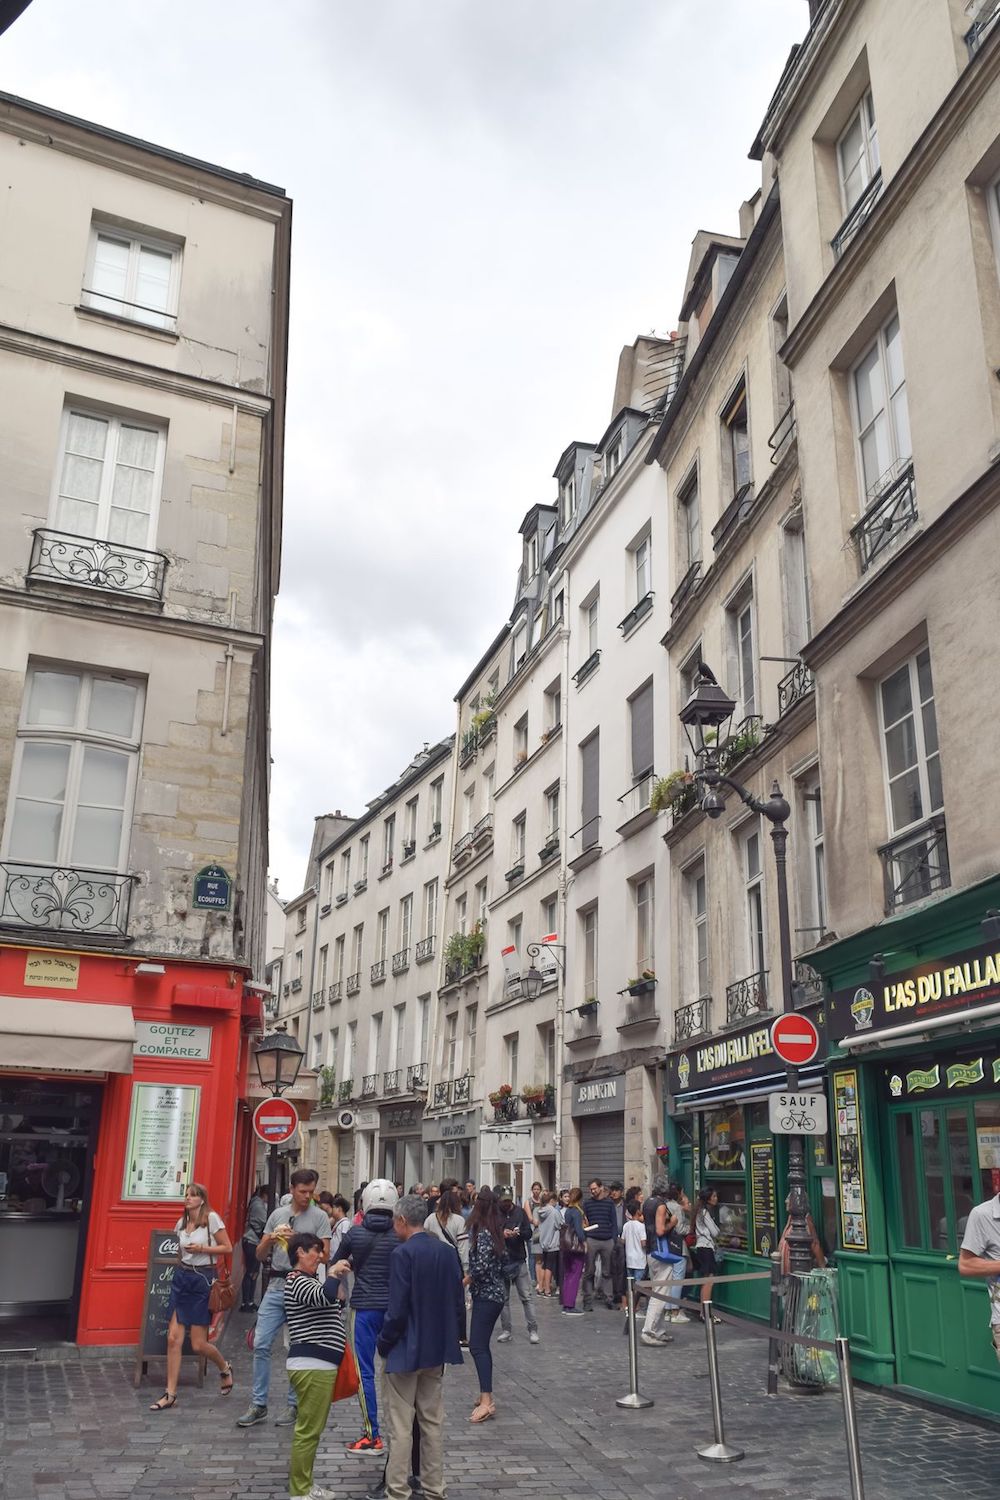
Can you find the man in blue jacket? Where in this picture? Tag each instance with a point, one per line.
(419, 1337)
(369, 1246)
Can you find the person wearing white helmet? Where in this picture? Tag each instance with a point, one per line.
(368, 1246)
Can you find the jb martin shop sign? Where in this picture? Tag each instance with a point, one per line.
(942, 987)
(599, 1096)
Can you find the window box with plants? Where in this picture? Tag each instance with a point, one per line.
(668, 789)
(539, 1098)
(645, 984)
(484, 721)
(588, 1009)
(505, 1103)
(475, 945)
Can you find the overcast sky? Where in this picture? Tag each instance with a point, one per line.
(491, 198)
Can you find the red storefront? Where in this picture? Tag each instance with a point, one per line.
(121, 1078)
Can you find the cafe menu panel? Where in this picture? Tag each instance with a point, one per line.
(763, 1197)
(850, 1168)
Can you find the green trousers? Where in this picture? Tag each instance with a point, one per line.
(313, 1389)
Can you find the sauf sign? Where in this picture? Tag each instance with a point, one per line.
(599, 1096)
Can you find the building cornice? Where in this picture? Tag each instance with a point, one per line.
(788, 96)
(91, 608)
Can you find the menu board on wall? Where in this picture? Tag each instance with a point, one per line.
(850, 1169)
(763, 1197)
(159, 1159)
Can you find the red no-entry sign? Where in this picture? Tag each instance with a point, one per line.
(795, 1040)
(275, 1121)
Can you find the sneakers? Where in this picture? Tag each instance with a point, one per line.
(678, 1317)
(654, 1340)
(288, 1417)
(533, 1336)
(252, 1416)
(316, 1493)
(504, 1338)
(364, 1446)
(572, 1312)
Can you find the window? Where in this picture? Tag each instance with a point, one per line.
(468, 809)
(614, 454)
(552, 810)
(696, 979)
(351, 1049)
(489, 777)
(363, 845)
(567, 501)
(514, 931)
(590, 954)
(517, 840)
(374, 1042)
(471, 1023)
(688, 673)
(816, 865)
(511, 1047)
(324, 961)
(550, 915)
(405, 922)
(437, 801)
(592, 613)
(857, 153)
(640, 708)
(345, 872)
(553, 707)
(317, 1044)
(449, 1045)
(430, 908)
(910, 743)
(558, 606)
(382, 934)
(410, 822)
(423, 1026)
(590, 772)
(520, 646)
(338, 958)
(753, 878)
(521, 741)
(795, 582)
(531, 555)
(689, 508)
(109, 478)
(481, 906)
(331, 1055)
(300, 920)
(643, 568)
(357, 946)
(881, 418)
(388, 841)
(642, 894)
(398, 1035)
(133, 276)
(742, 651)
(298, 964)
(547, 1037)
(736, 432)
(75, 766)
(462, 913)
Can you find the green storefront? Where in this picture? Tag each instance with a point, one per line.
(716, 1123)
(914, 1038)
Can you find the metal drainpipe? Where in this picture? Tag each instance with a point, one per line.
(564, 934)
(447, 833)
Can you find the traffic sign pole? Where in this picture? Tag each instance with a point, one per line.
(275, 1121)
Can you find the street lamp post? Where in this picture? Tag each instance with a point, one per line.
(705, 717)
(531, 983)
(278, 1057)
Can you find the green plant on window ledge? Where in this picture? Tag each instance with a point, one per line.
(666, 789)
(327, 1086)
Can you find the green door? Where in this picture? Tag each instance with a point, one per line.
(939, 1164)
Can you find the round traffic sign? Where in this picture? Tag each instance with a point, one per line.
(275, 1121)
(795, 1040)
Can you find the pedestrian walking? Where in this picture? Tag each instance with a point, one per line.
(300, 1216)
(706, 1231)
(573, 1252)
(679, 1204)
(549, 1220)
(979, 1255)
(517, 1237)
(368, 1246)
(616, 1192)
(316, 1340)
(203, 1239)
(448, 1225)
(600, 1228)
(658, 1222)
(487, 1251)
(530, 1206)
(253, 1228)
(418, 1338)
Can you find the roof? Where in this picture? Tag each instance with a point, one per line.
(424, 761)
(564, 456)
(530, 521)
(617, 421)
(704, 249)
(484, 660)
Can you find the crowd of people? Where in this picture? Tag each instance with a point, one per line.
(408, 1281)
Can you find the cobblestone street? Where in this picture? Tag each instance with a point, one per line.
(79, 1431)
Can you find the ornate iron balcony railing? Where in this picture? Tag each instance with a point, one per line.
(87, 562)
(318, 1000)
(461, 1089)
(462, 847)
(390, 1081)
(353, 983)
(747, 997)
(424, 949)
(807, 984)
(892, 511)
(794, 686)
(487, 729)
(401, 961)
(369, 1086)
(345, 1089)
(483, 829)
(469, 746)
(507, 1109)
(915, 864)
(378, 971)
(743, 740)
(685, 588)
(336, 989)
(783, 434)
(980, 29)
(416, 1077)
(683, 803)
(57, 898)
(858, 215)
(296, 986)
(638, 612)
(693, 1020)
(442, 1093)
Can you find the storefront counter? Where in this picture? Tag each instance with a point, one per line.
(38, 1258)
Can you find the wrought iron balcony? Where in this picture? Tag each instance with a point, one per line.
(686, 589)
(336, 990)
(442, 1093)
(390, 1081)
(794, 686)
(783, 436)
(296, 986)
(463, 848)
(345, 1090)
(483, 830)
(743, 741)
(378, 972)
(636, 799)
(353, 983)
(891, 512)
(686, 800)
(55, 898)
(409, 849)
(318, 1000)
(286, 989)
(981, 28)
(469, 746)
(746, 998)
(915, 864)
(638, 612)
(85, 562)
(369, 1086)
(416, 1077)
(508, 1108)
(461, 1089)
(858, 216)
(590, 665)
(487, 729)
(736, 513)
(807, 984)
(424, 949)
(693, 1020)
(401, 961)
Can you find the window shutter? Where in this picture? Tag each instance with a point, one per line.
(642, 731)
(590, 760)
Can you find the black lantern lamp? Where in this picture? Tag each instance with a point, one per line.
(531, 983)
(708, 712)
(533, 978)
(278, 1057)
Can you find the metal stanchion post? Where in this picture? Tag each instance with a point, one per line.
(850, 1419)
(773, 1352)
(720, 1451)
(633, 1401)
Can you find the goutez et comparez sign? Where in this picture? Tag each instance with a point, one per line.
(939, 987)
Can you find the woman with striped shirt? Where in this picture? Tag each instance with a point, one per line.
(316, 1338)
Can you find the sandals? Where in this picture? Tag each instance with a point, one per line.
(224, 1376)
(165, 1402)
(483, 1413)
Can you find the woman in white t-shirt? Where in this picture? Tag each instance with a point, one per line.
(203, 1238)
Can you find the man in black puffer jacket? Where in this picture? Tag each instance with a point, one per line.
(369, 1246)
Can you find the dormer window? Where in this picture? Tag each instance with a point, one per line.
(531, 555)
(567, 501)
(613, 455)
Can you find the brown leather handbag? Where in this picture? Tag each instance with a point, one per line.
(222, 1293)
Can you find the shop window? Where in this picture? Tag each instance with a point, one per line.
(725, 1142)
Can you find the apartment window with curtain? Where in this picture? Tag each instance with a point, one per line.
(471, 1023)
(76, 761)
(338, 958)
(437, 802)
(736, 440)
(132, 274)
(430, 908)
(363, 846)
(915, 862)
(857, 153)
(751, 855)
(881, 417)
(110, 477)
(388, 841)
(345, 872)
(405, 922)
(742, 648)
(590, 767)
(589, 925)
(689, 509)
(511, 1047)
(642, 559)
(696, 976)
(642, 896)
(382, 934)
(640, 707)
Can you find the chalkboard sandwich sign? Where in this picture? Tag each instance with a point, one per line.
(164, 1253)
